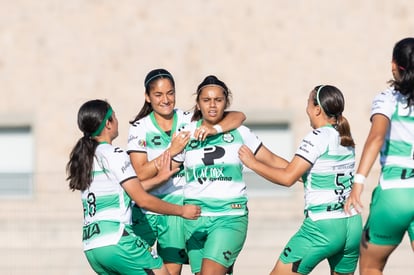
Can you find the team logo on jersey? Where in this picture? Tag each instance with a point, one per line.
(142, 143)
(227, 254)
(194, 143)
(228, 137)
(125, 166)
(316, 132)
(90, 230)
(211, 174)
(212, 153)
(118, 150)
(156, 140)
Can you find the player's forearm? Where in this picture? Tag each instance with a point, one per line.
(159, 206)
(232, 120)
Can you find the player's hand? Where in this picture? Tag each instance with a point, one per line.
(246, 156)
(202, 132)
(191, 212)
(354, 199)
(178, 142)
(163, 164)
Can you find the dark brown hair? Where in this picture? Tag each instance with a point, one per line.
(332, 102)
(210, 80)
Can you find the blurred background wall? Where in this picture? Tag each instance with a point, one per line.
(56, 54)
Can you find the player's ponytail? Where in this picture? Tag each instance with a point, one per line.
(332, 102)
(344, 130)
(91, 116)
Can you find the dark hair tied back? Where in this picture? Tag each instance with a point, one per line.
(151, 77)
(332, 102)
(79, 168)
(403, 56)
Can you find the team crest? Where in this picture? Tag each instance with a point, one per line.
(142, 143)
(228, 137)
(193, 143)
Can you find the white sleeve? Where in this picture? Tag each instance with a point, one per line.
(313, 145)
(384, 103)
(137, 138)
(121, 167)
(250, 139)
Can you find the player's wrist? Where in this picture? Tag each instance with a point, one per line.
(218, 128)
(359, 178)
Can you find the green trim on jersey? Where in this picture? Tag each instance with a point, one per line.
(331, 181)
(100, 172)
(171, 198)
(404, 115)
(174, 124)
(397, 148)
(328, 156)
(392, 172)
(232, 136)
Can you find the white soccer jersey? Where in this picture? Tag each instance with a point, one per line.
(213, 170)
(106, 205)
(145, 136)
(397, 153)
(328, 182)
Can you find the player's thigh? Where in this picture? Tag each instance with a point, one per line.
(145, 225)
(226, 239)
(171, 241)
(131, 255)
(396, 206)
(345, 259)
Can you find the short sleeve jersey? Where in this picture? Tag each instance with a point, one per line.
(106, 205)
(146, 136)
(213, 171)
(328, 182)
(397, 153)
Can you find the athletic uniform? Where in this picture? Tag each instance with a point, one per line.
(109, 243)
(146, 137)
(214, 181)
(392, 200)
(327, 231)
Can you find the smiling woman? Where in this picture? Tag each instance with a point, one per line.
(155, 130)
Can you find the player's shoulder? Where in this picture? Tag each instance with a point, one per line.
(140, 123)
(109, 151)
(320, 135)
(243, 129)
(179, 111)
(390, 94)
(182, 113)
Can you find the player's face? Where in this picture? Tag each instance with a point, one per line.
(395, 71)
(114, 126)
(212, 103)
(311, 109)
(162, 97)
